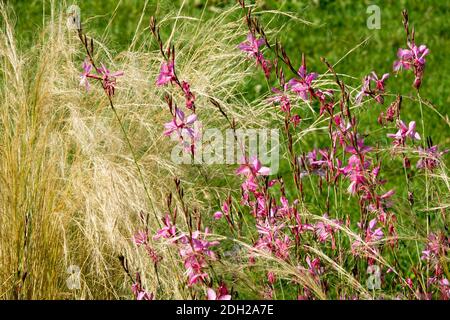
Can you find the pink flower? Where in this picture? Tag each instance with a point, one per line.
(361, 148)
(271, 278)
(325, 230)
(444, 288)
(373, 235)
(437, 247)
(409, 282)
(322, 95)
(302, 85)
(285, 209)
(313, 160)
(166, 73)
(412, 58)
(140, 238)
(109, 79)
(194, 252)
(281, 99)
(183, 127)
(430, 157)
(342, 132)
(194, 269)
(251, 46)
(225, 210)
(250, 184)
(295, 120)
(281, 249)
(388, 194)
(377, 92)
(404, 132)
(87, 67)
(355, 172)
(168, 231)
(314, 266)
(139, 292)
(379, 83)
(271, 240)
(365, 89)
(221, 294)
(265, 65)
(143, 295)
(199, 244)
(253, 167)
(409, 58)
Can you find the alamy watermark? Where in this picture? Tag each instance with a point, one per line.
(374, 20)
(232, 146)
(73, 17)
(374, 279)
(74, 280)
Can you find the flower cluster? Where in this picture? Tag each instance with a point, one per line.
(194, 249)
(412, 58)
(185, 131)
(368, 91)
(435, 255)
(252, 47)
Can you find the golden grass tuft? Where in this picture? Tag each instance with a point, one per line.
(70, 192)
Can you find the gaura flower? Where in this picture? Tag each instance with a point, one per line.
(281, 98)
(314, 266)
(225, 211)
(221, 293)
(140, 238)
(430, 157)
(253, 167)
(139, 292)
(109, 79)
(251, 47)
(168, 231)
(87, 67)
(404, 132)
(362, 148)
(377, 92)
(412, 58)
(302, 84)
(379, 83)
(166, 73)
(183, 127)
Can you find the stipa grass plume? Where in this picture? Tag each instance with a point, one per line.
(32, 175)
(71, 193)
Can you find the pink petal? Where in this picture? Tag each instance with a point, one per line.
(218, 215)
(211, 294)
(191, 119)
(264, 171)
